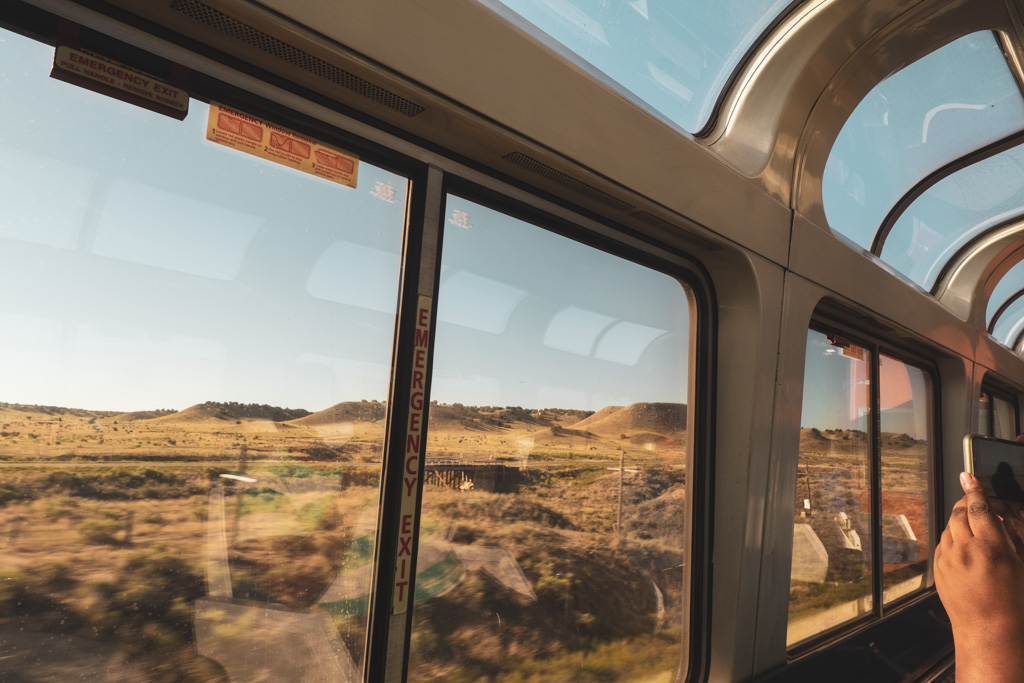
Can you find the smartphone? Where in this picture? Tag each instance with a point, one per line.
(998, 464)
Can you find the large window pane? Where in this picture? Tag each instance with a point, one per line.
(194, 362)
(831, 572)
(955, 100)
(554, 529)
(907, 530)
(674, 56)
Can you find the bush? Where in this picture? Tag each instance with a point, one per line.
(101, 531)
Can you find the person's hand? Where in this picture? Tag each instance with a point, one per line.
(1012, 515)
(980, 579)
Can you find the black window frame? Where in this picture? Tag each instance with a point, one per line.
(839, 332)
(688, 271)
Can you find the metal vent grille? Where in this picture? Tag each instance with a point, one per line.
(651, 219)
(541, 169)
(221, 22)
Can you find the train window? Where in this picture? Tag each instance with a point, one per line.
(194, 365)
(997, 415)
(846, 551)
(676, 58)
(555, 527)
(954, 100)
(952, 212)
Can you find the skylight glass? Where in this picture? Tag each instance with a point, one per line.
(1011, 283)
(1010, 323)
(674, 55)
(954, 100)
(954, 210)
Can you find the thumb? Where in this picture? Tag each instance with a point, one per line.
(980, 516)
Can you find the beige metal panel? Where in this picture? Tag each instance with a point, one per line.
(1005, 362)
(960, 383)
(462, 51)
(971, 277)
(764, 114)
(302, 57)
(857, 276)
(800, 299)
(748, 290)
(911, 36)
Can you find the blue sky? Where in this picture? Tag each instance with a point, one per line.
(146, 267)
(674, 55)
(835, 393)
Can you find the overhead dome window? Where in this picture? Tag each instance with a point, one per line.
(946, 216)
(1005, 312)
(940, 108)
(675, 57)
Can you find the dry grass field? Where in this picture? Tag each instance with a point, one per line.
(109, 527)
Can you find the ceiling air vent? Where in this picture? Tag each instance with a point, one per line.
(541, 169)
(238, 30)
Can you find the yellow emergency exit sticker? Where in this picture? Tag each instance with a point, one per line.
(237, 130)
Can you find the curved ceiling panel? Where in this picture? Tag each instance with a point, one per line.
(940, 108)
(674, 56)
(951, 212)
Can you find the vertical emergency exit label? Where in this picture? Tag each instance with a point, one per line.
(238, 130)
(413, 462)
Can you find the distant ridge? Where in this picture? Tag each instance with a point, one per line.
(490, 418)
(57, 410)
(812, 438)
(347, 411)
(657, 418)
(598, 416)
(145, 414)
(213, 410)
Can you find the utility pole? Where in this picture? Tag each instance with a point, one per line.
(622, 466)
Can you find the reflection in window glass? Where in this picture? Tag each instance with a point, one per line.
(1010, 323)
(674, 56)
(997, 416)
(1004, 419)
(832, 562)
(985, 414)
(957, 99)
(192, 395)
(949, 214)
(907, 533)
(554, 528)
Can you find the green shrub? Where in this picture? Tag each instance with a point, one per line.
(102, 531)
